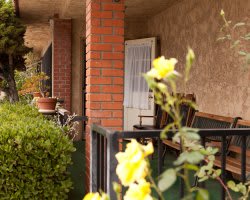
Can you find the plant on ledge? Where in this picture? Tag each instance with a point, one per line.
(33, 84)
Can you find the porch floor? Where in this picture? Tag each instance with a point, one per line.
(77, 171)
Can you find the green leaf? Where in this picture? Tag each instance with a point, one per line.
(191, 167)
(193, 157)
(202, 195)
(231, 184)
(167, 179)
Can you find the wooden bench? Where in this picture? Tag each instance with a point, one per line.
(203, 120)
(233, 159)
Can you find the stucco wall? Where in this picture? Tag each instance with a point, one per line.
(221, 85)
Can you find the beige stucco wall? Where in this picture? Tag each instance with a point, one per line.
(220, 84)
(77, 70)
(135, 29)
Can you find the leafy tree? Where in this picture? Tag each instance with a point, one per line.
(12, 49)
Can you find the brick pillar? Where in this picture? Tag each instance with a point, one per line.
(105, 65)
(61, 52)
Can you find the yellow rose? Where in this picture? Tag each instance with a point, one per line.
(132, 165)
(140, 191)
(162, 67)
(96, 196)
(92, 196)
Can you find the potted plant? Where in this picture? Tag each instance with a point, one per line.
(33, 85)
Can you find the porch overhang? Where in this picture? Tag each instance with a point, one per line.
(36, 15)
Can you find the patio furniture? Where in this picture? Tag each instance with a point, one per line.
(234, 152)
(159, 121)
(206, 121)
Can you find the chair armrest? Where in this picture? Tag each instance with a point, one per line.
(146, 116)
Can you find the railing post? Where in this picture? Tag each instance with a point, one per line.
(112, 149)
(93, 161)
(223, 165)
(243, 159)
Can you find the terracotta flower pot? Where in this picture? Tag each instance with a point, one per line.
(46, 103)
(37, 94)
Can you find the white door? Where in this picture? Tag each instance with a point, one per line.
(137, 99)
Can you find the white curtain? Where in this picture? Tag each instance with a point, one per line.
(137, 62)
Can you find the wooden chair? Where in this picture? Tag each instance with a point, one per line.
(187, 113)
(159, 121)
(233, 162)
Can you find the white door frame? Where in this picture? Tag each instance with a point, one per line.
(131, 114)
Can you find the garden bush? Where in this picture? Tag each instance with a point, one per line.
(34, 155)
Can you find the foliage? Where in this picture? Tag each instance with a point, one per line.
(12, 48)
(34, 155)
(34, 84)
(238, 36)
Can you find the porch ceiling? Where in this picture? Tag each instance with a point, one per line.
(36, 15)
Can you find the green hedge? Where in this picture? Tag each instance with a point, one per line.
(34, 155)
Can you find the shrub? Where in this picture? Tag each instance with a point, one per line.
(34, 155)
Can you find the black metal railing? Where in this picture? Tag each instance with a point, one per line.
(105, 144)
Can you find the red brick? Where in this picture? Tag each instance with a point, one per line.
(117, 97)
(101, 30)
(93, 22)
(93, 55)
(99, 113)
(113, 22)
(100, 47)
(101, 14)
(118, 64)
(92, 88)
(112, 72)
(117, 114)
(119, 15)
(112, 56)
(113, 39)
(62, 61)
(98, 97)
(98, 80)
(93, 106)
(119, 31)
(92, 72)
(112, 106)
(118, 81)
(99, 63)
(112, 89)
(93, 39)
(111, 122)
(93, 121)
(113, 7)
(118, 47)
